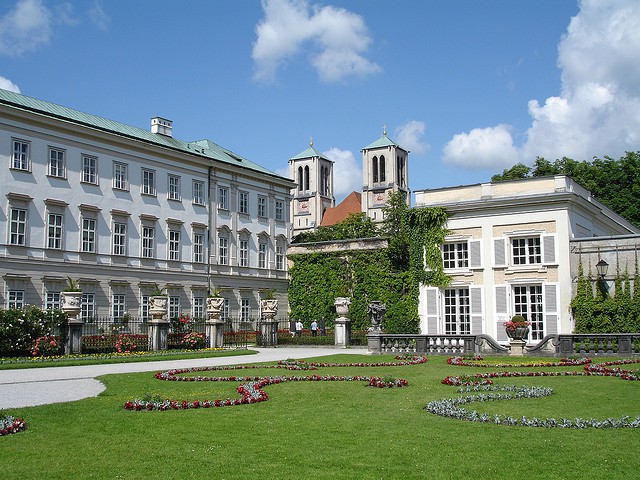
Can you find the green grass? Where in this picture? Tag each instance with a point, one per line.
(323, 430)
(8, 363)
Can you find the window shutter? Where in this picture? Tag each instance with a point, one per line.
(475, 254)
(432, 296)
(500, 252)
(549, 249)
(475, 297)
(550, 293)
(502, 311)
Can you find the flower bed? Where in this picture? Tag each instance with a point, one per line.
(476, 361)
(9, 425)
(482, 382)
(121, 343)
(251, 391)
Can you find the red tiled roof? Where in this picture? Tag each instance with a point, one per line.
(351, 204)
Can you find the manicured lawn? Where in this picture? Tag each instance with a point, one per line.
(337, 430)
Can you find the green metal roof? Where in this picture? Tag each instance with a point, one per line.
(383, 141)
(201, 148)
(309, 153)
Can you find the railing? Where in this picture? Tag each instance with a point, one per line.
(599, 344)
(613, 344)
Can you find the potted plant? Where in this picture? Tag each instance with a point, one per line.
(517, 328)
(158, 301)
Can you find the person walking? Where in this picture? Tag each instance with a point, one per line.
(299, 328)
(314, 329)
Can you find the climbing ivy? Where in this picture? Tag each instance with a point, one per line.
(596, 311)
(316, 279)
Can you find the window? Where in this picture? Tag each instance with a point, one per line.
(144, 307)
(18, 227)
(174, 307)
(300, 181)
(148, 182)
(52, 301)
(88, 235)
(455, 255)
(374, 166)
(174, 188)
(279, 210)
(262, 255)
(457, 318)
(223, 250)
(528, 303)
(306, 177)
(56, 163)
(243, 200)
(198, 192)
(21, 159)
(245, 310)
(382, 169)
(198, 307)
(225, 310)
(120, 176)
(88, 306)
(198, 248)
(119, 238)
(279, 257)
(148, 242)
(15, 299)
(89, 169)
(262, 206)
(244, 253)
(54, 231)
(526, 251)
(223, 198)
(118, 305)
(174, 245)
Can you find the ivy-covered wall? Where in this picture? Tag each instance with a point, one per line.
(599, 310)
(364, 275)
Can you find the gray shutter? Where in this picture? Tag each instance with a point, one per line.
(475, 298)
(499, 252)
(550, 293)
(502, 310)
(475, 254)
(432, 295)
(549, 249)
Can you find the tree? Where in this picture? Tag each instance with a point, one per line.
(357, 225)
(395, 228)
(615, 183)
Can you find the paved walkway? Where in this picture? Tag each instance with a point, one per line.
(41, 386)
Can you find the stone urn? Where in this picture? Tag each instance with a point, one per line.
(215, 307)
(518, 333)
(342, 306)
(158, 306)
(269, 309)
(71, 303)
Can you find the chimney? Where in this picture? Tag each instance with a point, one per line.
(161, 126)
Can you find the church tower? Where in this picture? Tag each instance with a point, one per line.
(385, 169)
(313, 174)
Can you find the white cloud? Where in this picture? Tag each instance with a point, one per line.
(98, 16)
(347, 172)
(597, 112)
(409, 136)
(336, 38)
(481, 148)
(7, 84)
(25, 28)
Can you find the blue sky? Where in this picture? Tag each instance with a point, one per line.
(469, 87)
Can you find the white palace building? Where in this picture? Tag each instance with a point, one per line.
(121, 209)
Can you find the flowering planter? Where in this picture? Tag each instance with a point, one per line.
(518, 333)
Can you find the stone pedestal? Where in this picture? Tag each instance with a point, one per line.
(159, 325)
(71, 306)
(215, 324)
(517, 348)
(268, 333)
(374, 343)
(342, 325)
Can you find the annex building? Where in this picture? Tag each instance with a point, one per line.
(513, 248)
(122, 208)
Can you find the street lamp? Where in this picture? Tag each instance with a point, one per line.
(602, 268)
